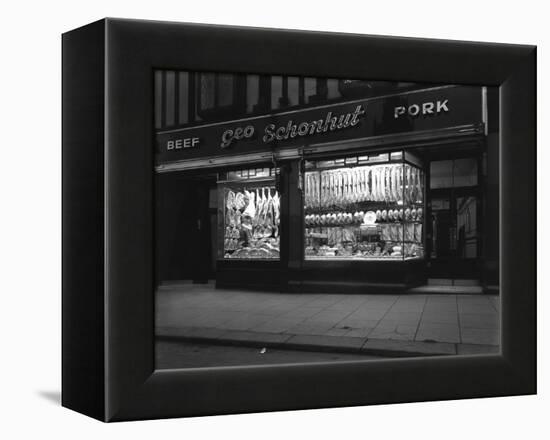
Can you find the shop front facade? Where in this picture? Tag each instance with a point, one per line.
(355, 186)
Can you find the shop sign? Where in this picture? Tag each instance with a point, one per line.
(291, 129)
(430, 108)
(424, 110)
(181, 143)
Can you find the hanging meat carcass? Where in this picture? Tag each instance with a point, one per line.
(421, 186)
(307, 189)
(380, 184)
(341, 197)
(412, 186)
(229, 204)
(276, 213)
(324, 189)
(332, 188)
(239, 200)
(380, 179)
(387, 179)
(374, 184)
(409, 184)
(393, 182)
(365, 192)
(348, 184)
(250, 209)
(264, 208)
(316, 190)
(269, 216)
(399, 183)
(360, 185)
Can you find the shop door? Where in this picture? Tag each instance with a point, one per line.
(186, 231)
(201, 235)
(454, 219)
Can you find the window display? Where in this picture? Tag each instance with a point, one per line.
(366, 207)
(252, 214)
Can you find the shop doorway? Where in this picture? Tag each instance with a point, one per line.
(454, 222)
(186, 226)
(201, 227)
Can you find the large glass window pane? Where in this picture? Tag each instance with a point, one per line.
(170, 99)
(252, 92)
(225, 90)
(207, 91)
(466, 225)
(183, 99)
(158, 99)
(293, 90)
(276, 91)
(441, 174)
(250, 206)
(310, 88)
(442, 228)
(465, 172)
(369, 209)
(332, 89)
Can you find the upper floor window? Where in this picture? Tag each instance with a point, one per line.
(183, 98)
(220, 94)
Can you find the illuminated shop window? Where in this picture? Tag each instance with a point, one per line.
(364, 208)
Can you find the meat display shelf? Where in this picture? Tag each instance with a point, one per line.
(249, 204)
(358, 206)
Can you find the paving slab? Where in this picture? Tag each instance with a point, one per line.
(402, 318)
(477, 308)
(481, 336)
(477, 349)
(278, 325)
(440, 307)
(246, 322)
(360, 332)
(336, 332)
(375, 305)
(454, 289)
(189, 332)
(356, 323)
(333, 343)
(367, 314)
(201, 311)
(438, 333)
(332, 315)
(306, 328)
(261, 337)
(394, 332)
(385, 347)
(440, 317)
(474, 320)
(304, 311)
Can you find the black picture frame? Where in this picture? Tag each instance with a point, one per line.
(108, 240)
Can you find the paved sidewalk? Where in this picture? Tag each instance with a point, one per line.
(408, 324)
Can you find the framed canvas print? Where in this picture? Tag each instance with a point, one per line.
(263, 219)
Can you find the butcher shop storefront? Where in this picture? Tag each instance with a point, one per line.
(349, 190)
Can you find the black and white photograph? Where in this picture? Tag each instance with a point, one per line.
(303, 219)
(244, 220)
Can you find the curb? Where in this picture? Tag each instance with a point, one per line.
(320, 343)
